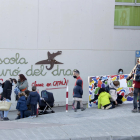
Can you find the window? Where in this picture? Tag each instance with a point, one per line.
(127, 14)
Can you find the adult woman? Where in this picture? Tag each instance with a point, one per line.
(22, 83)
(6, 95)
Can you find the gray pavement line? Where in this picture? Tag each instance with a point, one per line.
(64, 132)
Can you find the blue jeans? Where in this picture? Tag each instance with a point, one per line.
(6, 112)
(136, 91)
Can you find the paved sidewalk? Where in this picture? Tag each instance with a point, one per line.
(91, 124)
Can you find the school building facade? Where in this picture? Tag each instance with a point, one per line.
(47, 39)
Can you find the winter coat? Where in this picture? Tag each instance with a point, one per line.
(22, 104)
(22, 85)
(113, 90)
(136, 84)
(103, 99)
(33, 98)
(78, 91)
(7, 89)
(76, 81)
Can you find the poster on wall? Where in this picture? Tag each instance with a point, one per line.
(97, 82)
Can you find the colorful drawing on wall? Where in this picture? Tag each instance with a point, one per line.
(97, 82)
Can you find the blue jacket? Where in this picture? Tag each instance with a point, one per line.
(33, 98)
(22, 104)
(78, 91)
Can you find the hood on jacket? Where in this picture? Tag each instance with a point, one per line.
(22, 98)
(79, 82)
(102, 94)
(10, 80)
(113, 86)
(33, 93)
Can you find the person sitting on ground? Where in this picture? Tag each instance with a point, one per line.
(78, 92)
(27, 113)
(32, 100)
(104, 100)
(22, 104)
(113, 86)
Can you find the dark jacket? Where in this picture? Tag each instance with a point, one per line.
(78, 91)
(7, 89)
(22, 104)
(33, 98)
(136, 84)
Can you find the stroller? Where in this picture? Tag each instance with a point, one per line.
(46, 102)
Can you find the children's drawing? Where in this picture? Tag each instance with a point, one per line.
(97, 82)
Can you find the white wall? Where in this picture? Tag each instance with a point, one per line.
(83, 30)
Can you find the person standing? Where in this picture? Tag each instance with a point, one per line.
(6, 95)
(22, 83)
(78, 92)
(76, 75)
(135, 74)
(32, 100)
(120, 71)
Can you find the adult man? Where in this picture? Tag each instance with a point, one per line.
(76, 74)
(135, 73)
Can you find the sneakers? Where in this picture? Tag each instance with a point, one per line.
(82, 109)
(102, 107)
(134, 110)
(5, 119)
(108, 107)
(31, 117)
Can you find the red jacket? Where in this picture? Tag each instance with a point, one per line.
(135, 83)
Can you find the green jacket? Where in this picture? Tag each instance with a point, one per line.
(103, 99)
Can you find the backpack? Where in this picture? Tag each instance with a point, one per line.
(16, 90)
(107, 88)
(137, 74)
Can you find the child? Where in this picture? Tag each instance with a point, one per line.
(21, 104)
(104, 100)
(33, 99)
(113, 86)
(78, 92)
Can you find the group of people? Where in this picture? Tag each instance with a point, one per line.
(108, 97)
(26, 100)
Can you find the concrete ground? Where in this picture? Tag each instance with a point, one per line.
(13, 114)
(91, 124)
